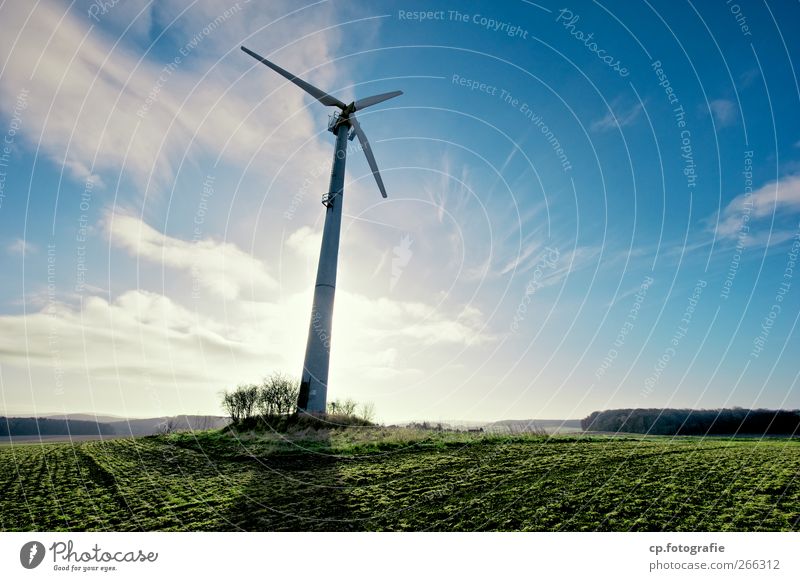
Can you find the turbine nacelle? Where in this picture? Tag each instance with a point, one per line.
(347, 111)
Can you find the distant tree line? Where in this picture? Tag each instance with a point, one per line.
(51, 427)
(695, 422)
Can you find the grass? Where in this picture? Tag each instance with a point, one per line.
(368, 478)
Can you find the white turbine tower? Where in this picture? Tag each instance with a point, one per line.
(343, 124)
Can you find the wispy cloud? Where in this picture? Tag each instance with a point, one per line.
(724, 111)
(95, 105)
(418, 322)
(20, 246)
(452, 190)
(617, 117)
(777, 197)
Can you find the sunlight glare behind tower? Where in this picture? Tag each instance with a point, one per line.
(344, 125)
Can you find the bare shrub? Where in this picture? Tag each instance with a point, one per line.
(240, 404)
(277, 395)
(367, 411)
(342, 407)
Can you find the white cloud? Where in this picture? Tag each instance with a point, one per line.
(121, 353)
(616, 119)
(549, 263)
(385, 319)
(724, 111)
(138, 329)
(142, 350)
(140, 354)
(782, 195)
(571, 261)
(20, 246)
(530, 246)
(305, 241)
(218, 266)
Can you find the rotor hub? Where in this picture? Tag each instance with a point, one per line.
(336, 119)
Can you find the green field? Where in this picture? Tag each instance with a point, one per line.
(383, 480)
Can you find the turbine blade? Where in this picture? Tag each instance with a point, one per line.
(318, 94)
(362, 138)
(374, 100)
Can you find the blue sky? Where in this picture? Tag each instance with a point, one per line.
(591, 205)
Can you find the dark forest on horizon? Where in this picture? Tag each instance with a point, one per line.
(692, 422)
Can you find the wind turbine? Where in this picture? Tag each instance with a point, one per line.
(344, 125)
